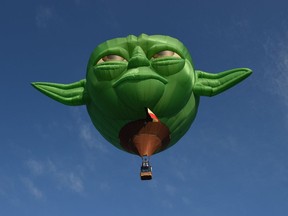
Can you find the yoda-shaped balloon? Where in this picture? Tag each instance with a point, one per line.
(142, 93)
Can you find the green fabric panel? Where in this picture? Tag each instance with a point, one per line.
(126, 75)
(212, 84)
(69, 94)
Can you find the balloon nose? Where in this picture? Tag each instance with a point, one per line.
(138, 59)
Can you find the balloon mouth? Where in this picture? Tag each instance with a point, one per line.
(136, 94)
(139, 77)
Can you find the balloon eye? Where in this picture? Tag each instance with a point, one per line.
(166, 53)
(111, 58)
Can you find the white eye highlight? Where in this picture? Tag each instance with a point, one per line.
(111, 58)
(166, 53)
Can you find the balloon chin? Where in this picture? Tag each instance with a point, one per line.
(140, 94)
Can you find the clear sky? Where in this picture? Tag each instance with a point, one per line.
(233, 160)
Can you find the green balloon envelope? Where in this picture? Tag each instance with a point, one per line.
(125, 76)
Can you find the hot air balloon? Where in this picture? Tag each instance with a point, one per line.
(142, 93)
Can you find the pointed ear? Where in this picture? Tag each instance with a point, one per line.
(208, 84)
(73, 94)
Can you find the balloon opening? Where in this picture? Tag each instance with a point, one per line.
(145, 137)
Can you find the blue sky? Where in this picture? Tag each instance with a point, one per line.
(233, 160)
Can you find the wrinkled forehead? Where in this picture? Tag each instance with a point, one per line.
(149, 44)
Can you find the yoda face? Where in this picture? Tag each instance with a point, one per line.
(126, 75)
